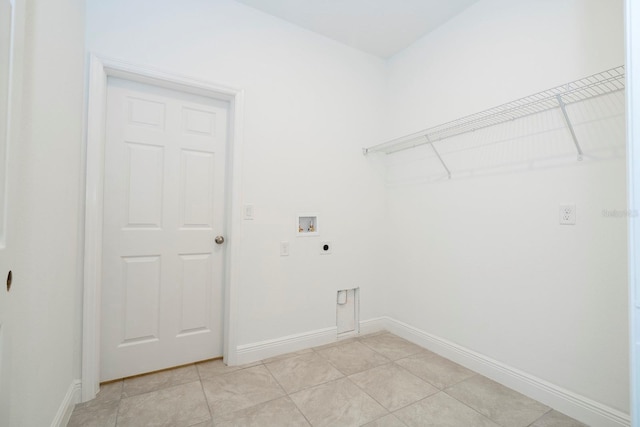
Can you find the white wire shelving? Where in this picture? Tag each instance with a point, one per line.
(559, 97)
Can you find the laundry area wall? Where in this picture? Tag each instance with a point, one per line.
(481, 259)
(478, 260)
(310, 105)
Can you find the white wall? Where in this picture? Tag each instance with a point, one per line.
(310, 105)
(41, 330)
(481, 259)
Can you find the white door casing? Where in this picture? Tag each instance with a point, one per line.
(163, 207)
(6, 12)
(12, 28)
(7, 37)
(99, 70)
(632, 34)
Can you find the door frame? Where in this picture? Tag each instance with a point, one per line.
(100, 69)
(632, 42)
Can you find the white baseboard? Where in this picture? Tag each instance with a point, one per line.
(572, 404)
(249, 353)
(68, 403)
(374, 325)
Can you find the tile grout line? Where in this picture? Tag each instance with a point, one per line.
(119, 404)
(256, 364)
(549, 409)
(358, 339)
(306, 387)
(287, 394)
(409, 404)
(316, 351)
(472, 408)
(344, 376)
(388, 362)
(374, 399)
(204, 393)
(538, 419)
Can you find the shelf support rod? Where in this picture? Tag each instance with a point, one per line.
(438, 155)
(569, 125)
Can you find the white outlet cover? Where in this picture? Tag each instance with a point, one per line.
(284, 248)
(248, 212)
(567, 214)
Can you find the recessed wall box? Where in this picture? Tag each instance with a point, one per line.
(307, 225)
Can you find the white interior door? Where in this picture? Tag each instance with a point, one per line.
(162, 299)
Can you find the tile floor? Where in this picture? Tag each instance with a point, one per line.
(377, 380)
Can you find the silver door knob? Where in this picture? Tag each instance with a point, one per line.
(219, 240)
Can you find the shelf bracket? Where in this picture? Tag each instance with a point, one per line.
(569, 125)
(438, 155)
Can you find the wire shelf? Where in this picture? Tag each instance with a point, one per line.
(596, 85)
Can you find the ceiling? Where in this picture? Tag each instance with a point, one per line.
(380, 27)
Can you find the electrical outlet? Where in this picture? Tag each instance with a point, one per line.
(567, 214)
(248, 212)
(284, 248)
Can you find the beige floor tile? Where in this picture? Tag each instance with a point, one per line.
(392, 386)
(281, 412)
(336, 343)
(303, 371)
(435, 369)
(159, 380)
(501, 404)
(386, 421)
(441, 410)
(109, 392)
(287, 355)
(337, 403)
(241, 389)
(372, 334)
(557, 419)
(213, 368)
(255, 394)
(102, 414)
(391, 346)
(352, 357)
(181, 405)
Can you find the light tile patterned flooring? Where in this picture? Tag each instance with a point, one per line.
(377, 380)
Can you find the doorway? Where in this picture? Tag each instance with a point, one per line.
(163, 221)
(196, 122)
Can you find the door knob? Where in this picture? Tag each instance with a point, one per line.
(219, 240)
